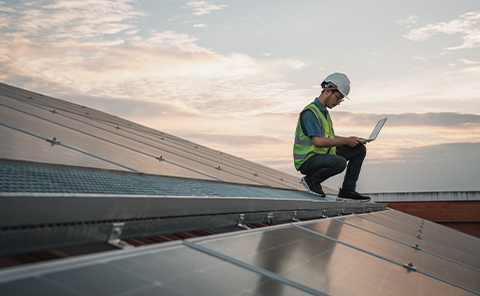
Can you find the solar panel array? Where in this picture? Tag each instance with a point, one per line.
(43, 129)
(382, 253)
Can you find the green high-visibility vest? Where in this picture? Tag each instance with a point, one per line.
(303, 147)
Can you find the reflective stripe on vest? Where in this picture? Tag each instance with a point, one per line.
(303, 147)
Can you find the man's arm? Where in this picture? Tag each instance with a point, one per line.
(322, 142)
(316, 132)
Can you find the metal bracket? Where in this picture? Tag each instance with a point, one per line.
(419, 237)
(410, 266)
(324, 214)
(416, 247)
(122, 245)
(269, 219)
(160, 158)
(419, 230)
(240, 222)
(294, 218)
(115, 233)
(53, 141)
(340, 212)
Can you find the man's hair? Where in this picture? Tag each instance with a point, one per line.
(326, 85)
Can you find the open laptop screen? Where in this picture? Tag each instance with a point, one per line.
(376, 130)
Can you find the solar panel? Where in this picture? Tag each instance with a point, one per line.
(342, 256)
(326, 265)
(120, 142)
(425, 236)
(24, 146)
(398, 251)
(435, 229)
(413, 240)
(173, 270)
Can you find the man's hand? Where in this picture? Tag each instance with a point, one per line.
(322, 142)
(353, 141)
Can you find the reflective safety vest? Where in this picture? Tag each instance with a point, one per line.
(303, 147)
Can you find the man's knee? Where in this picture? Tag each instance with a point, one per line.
(339, 164)
(362, 150)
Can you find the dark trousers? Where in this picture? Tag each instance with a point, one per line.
(320, 167)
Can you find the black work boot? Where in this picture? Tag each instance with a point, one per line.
(312, 188)
(351, 195)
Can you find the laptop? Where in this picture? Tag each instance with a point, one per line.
(376, 130)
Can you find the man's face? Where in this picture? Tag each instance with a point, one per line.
(334, 99)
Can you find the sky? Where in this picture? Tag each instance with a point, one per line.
(233, 75)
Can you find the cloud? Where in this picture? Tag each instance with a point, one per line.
(267, 54)
(132, 32)
(92, 48)
(411, 20)
(294, 64)
(70, 19)
(420, 58)
(203, 7)
(443, 119)
(466, 24)
(467, 62)
(200, 26)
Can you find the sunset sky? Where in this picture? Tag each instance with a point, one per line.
(233, 75)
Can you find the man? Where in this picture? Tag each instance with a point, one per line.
(320, 154)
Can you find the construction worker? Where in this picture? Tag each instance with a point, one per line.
(320, 154)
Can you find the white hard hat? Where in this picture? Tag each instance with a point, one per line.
(339, 81)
